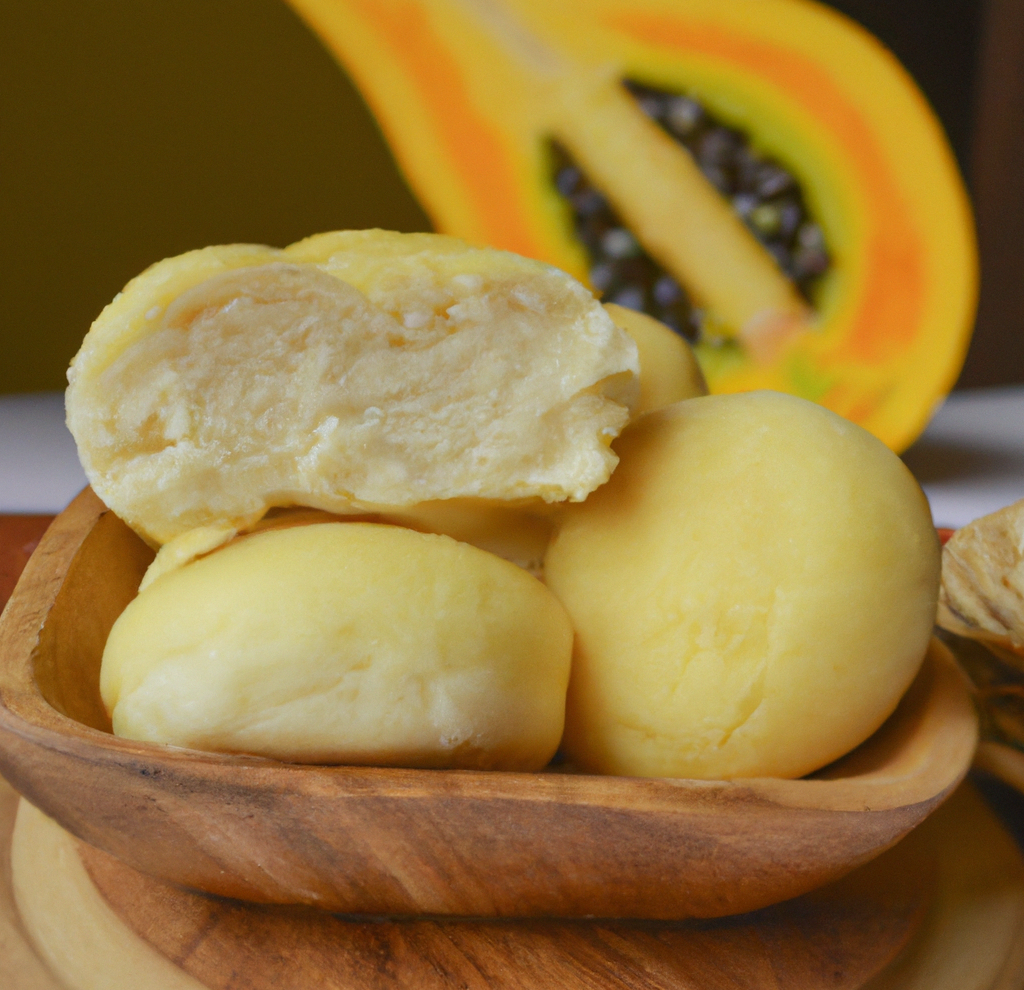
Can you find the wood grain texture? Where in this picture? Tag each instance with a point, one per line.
(973, 935)
(971, 938)
(20, 967)
(1002, 761)
(837, 938)
(387, 841)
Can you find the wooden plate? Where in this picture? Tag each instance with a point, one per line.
(944, 910)
(386, 841)
(145, 932)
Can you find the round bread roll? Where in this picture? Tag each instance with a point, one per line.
(752, 592)
(345, 642)
(359, 371)
(519, 533)
(669, 371)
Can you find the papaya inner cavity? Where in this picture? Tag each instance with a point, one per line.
(766, 196)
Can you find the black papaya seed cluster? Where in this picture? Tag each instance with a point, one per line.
(762, 192)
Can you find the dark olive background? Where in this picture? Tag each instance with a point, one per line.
(131, 130)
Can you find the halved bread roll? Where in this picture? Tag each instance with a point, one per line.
(354, 371)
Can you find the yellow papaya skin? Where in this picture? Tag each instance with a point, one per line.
(463, 92)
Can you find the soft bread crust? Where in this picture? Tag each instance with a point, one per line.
(669, 371)
(752, 592)
(353, 372)
(345, 642)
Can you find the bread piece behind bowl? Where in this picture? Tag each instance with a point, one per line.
(669, 371)
(356, 371)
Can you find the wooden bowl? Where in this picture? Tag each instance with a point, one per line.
(388, 841)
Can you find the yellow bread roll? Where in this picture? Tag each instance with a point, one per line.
(518, 533)
(752, 592)
(355, 371)
(669, 372)
(345, 642)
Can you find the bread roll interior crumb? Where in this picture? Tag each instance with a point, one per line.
(350, 374)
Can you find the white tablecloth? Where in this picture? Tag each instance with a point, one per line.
(970, 460)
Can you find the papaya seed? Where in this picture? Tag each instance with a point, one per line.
(762, 193)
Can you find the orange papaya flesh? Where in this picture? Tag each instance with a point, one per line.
(472, 129)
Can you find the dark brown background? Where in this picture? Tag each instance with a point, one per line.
(131, 130)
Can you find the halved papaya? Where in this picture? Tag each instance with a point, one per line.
(483, 101)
